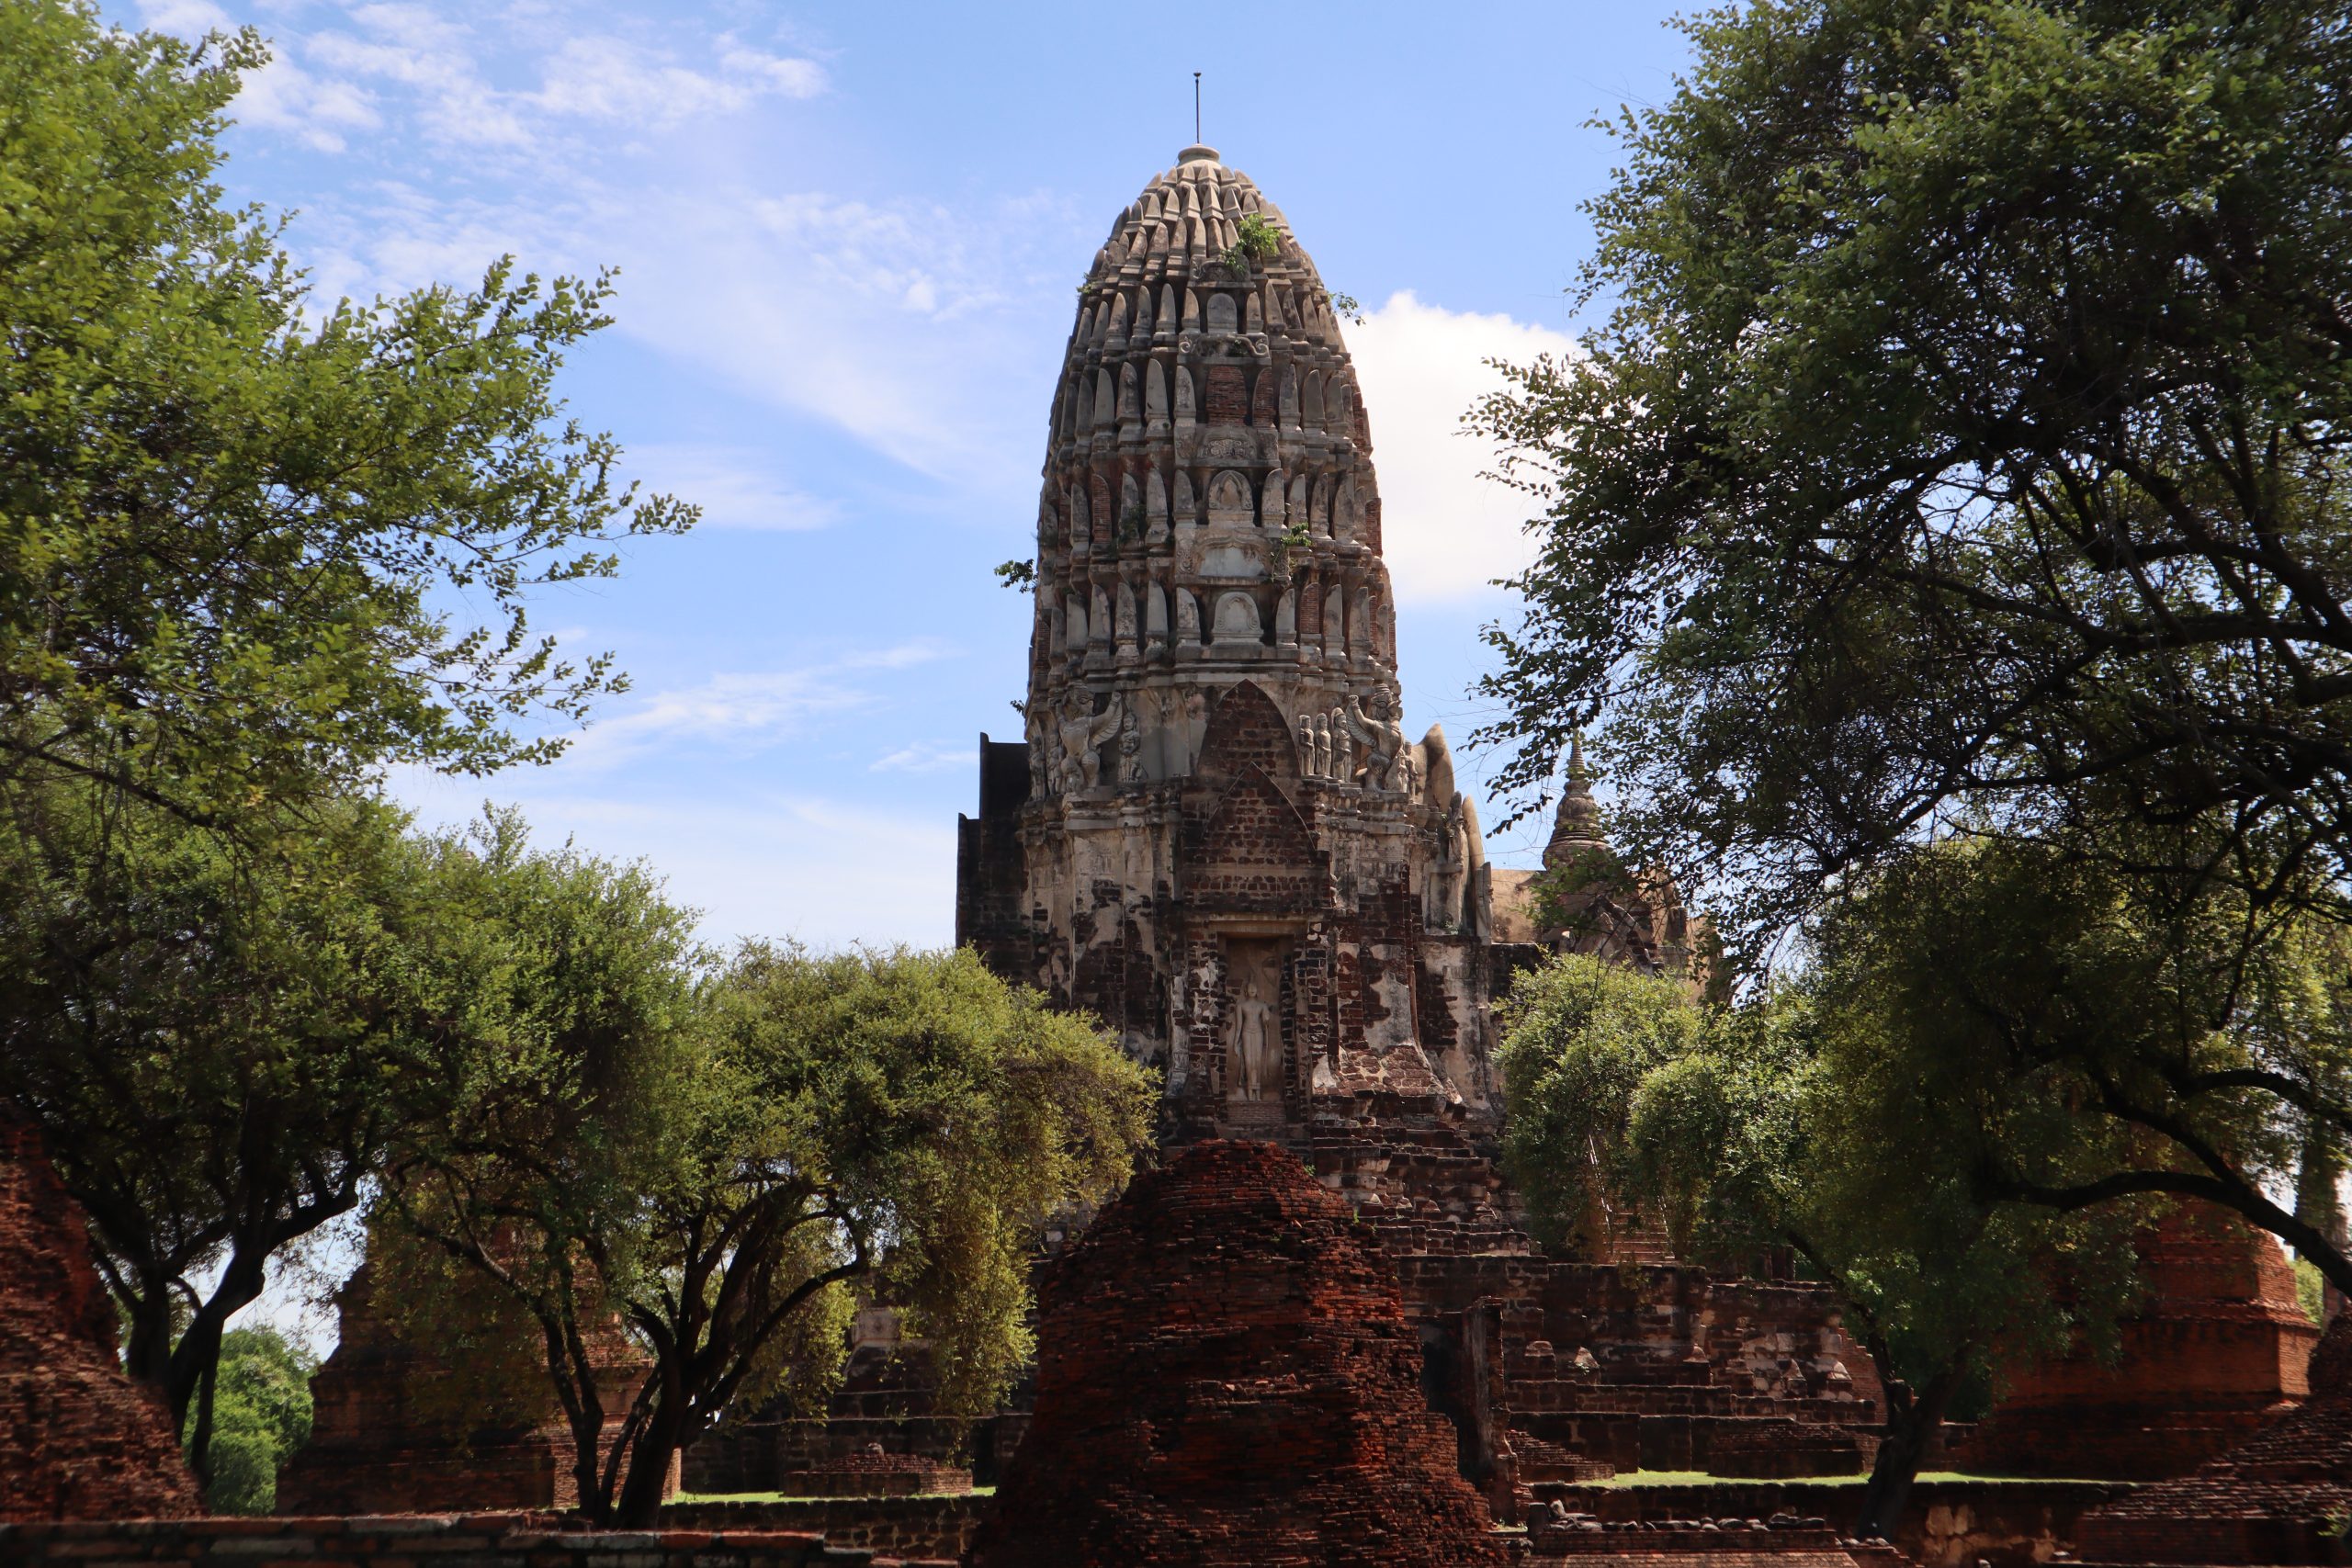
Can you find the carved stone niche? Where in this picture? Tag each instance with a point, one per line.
(1238, 624)
(1256, 1032)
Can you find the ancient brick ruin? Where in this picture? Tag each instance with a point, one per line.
(78, 1440)
(2282, 1496)
(1216, 837)
(2217, 1351)
(386, 1439)
(1225, 1375)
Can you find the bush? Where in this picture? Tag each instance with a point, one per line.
(260, 1414)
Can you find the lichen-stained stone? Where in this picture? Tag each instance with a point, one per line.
(78, 1440)
(1215, 791)
(1226, 1376)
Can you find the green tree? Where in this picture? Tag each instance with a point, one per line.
(262, 1415)
(721, 1173)
(1779, 1126)
(2094, 1035)
(235, 520)
(238, 527)
(214, 1043)
(1966, 435)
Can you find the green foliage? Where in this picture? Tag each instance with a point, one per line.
(1798, 1121)
(723, 1172)
(1016, 574)
(2310, 1290)
(2089, 1034)
(243, 537)
(1966, 433)
(1580, 1036)
(230, 514)
(1256, 240)
(1347, 307)
(213, 1039)
(261, 1416)
(1291, 539)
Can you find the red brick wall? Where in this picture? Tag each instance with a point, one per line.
(77, 1439)
(478, 1540)
(1226, 1376)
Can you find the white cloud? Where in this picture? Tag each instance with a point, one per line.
(187, 18)
(737, 710)
(926, 756)
(731, 484)
(320, 84)
(413, 47)
(607, 78)
(1446, 532)
(315, 110)
(905, 324)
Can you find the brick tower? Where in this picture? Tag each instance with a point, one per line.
(1217, 837)
(1216, 834)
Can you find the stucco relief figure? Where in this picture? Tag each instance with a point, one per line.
(1130, 751)
(1342, 756)
(1032, 728)
(1124, 624)
(1371, 725)
(1306, 746)
(1453, 861)
(1196, 726)
(1255, 1047)
(1323, 748)
(1082, 732)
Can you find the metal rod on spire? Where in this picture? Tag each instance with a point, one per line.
(1196, 106)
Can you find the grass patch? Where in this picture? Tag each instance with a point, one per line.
(683, 1498)
(1701, 1478)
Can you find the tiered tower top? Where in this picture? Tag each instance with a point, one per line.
(1209, 512)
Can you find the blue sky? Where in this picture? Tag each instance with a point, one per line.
(849, 237)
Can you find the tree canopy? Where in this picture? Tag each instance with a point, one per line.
(2075, 1040)
(254, 546)
(232, 515)
(215, 1044)
(1789, 1124)
(719, 1171)
(1964, 436)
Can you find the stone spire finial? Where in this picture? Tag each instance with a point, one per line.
(1578, 826)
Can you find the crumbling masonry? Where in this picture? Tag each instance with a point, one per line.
(1216, 837)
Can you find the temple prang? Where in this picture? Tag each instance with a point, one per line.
(1216, 837)
(1216, 834)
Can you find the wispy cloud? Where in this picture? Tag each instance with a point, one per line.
(921, 327)
(735, 486)
(400, 61)
(739, 712)
(925, 757)
(1447, 532)
(613, 79)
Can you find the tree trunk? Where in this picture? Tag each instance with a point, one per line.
(147, 1355)
(639, 1506)
(2319, 1204)
(199, 1441)
(1912, 1427)
(586, 1412)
